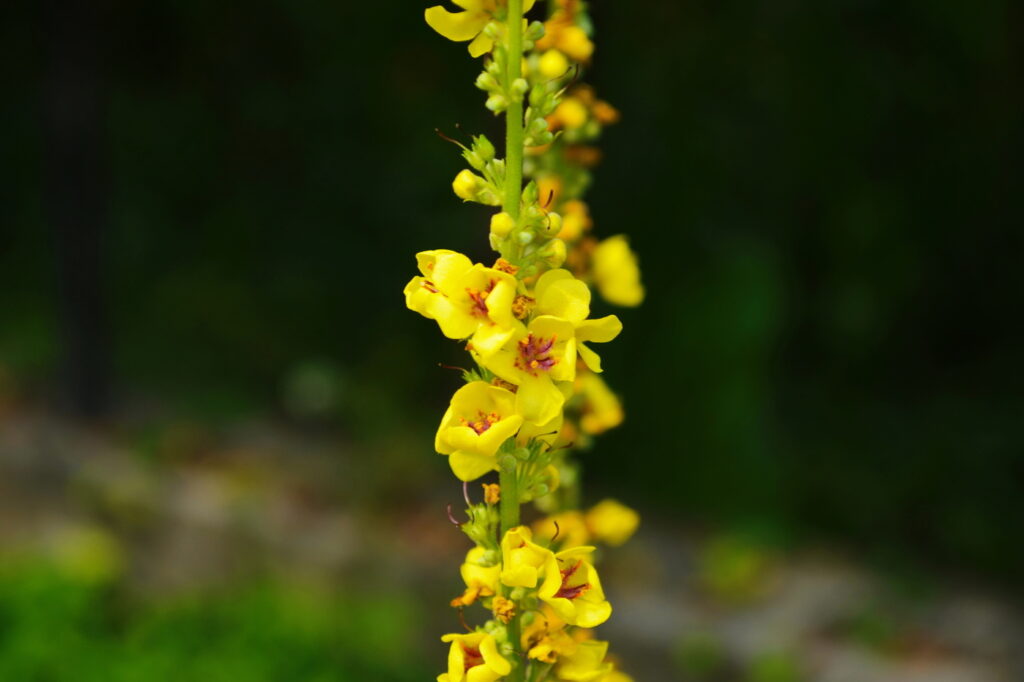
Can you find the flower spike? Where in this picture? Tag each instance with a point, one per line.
(535, 393)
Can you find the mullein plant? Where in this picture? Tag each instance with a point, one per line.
(535, 394)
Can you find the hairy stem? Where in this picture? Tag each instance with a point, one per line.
(514, 133)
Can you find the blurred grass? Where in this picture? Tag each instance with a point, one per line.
(59, 626)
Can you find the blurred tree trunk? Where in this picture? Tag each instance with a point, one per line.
(75, 196)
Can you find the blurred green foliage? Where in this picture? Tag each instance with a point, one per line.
(823, 196)
(55, 627)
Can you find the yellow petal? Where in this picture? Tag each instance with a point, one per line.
(456, 660)
(612, 522)
(493, 659)
(539, 400)
(617, 272)
(457, 26)
(444, 268)
(562, 295)
(490, 440)
(489, 338)
(499, 302)
(590, 358)
(469, 466)
(565, 369)
(590, 614)
(503, 363)
(440, 442)
(481, 673)
(481, 45)
(601, 330)
(454, 324)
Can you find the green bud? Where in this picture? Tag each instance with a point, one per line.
(497, 103)
(483, 147)
(553, 225)
(537, 95)
(473, 159)
(524, 237)
(535, 31)
(486, 82)
(530, 193)
(520, 87)
(553, 253)
(508, 464)
(547, 137)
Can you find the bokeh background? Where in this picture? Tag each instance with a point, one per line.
(216, 413)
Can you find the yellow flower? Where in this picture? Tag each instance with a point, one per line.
(552, 64)
(467, 25)
(523, 562)
(575, 220)
(612, 522)
(481, 580)
(534, 359)
(617, 273)
(474, 658)
(559, 294)
(546, 638)
(570, 114)
(479, 419)
(573, 589)
(466, 300)
(601, 407)
(561, 32)
(586, 664)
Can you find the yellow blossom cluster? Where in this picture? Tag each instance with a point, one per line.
(535, 394)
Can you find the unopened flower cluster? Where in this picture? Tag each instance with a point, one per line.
(535, 394)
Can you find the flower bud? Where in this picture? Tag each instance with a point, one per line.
(553, 64)
(496, 103)
(524, 237)
(553, 253)
(502, 224)
(519, 87)
(483, 147)
(486, 82)
(553, 225)
(530, 193)
(467, 185)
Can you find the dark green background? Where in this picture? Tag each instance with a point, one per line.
(824, 197)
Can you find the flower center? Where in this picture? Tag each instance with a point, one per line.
(535, 354)
(483, 422)
(478, 300)
(567, 591)
(473, 657)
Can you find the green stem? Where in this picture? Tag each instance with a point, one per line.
(509, 509)
(514, 140)
(508, 479)
(514, 133)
